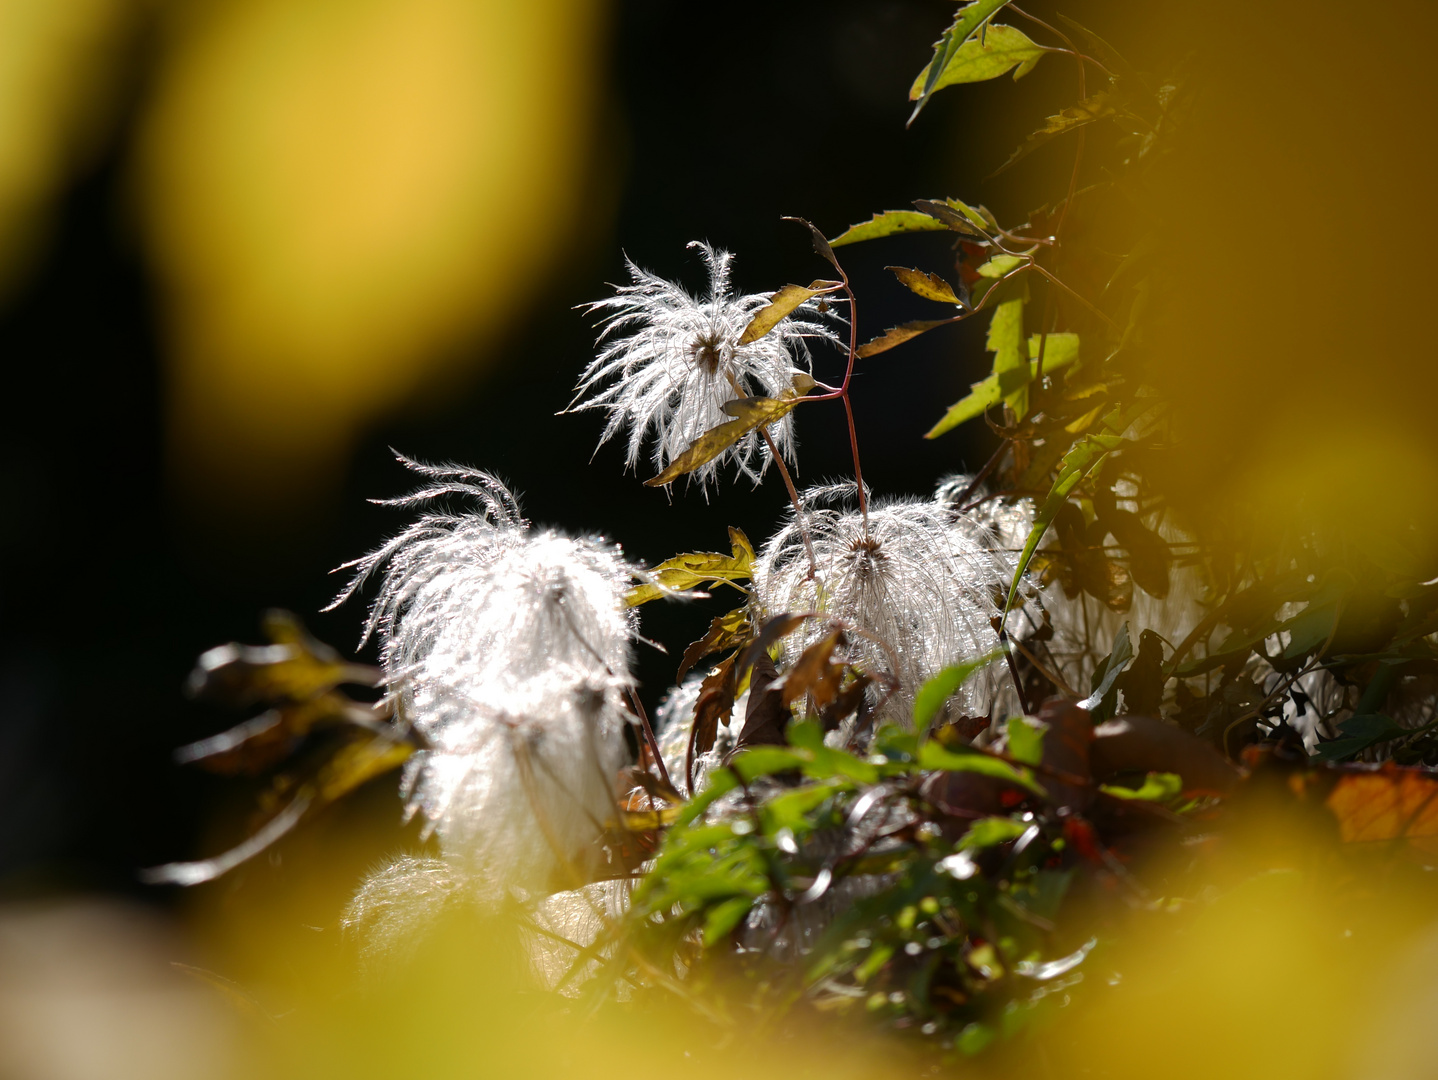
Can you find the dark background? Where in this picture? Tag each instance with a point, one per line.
(723, 119)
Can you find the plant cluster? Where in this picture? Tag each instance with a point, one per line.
(949, 741)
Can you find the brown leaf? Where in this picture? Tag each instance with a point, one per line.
(1150, 558)
(781, 304)
(1066, 746)
(897, 335)
(728, 631)
(1387, 803)
(821, 245)
(780, 626)
(749, 413)
(685, 572)
(846, 702)
(264, 740)
(816, 672)
(766, 715)
(715, 703)
(929, 286)
(1085, 112)
(1144, 744)
(949, 216)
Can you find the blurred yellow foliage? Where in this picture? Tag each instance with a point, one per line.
(57, 62)
(342, 196)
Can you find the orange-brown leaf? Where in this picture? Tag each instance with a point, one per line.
(1385, 804)
(897, 335)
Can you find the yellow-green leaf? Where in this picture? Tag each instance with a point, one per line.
(780, 304)
(749, 413)
(887, 224)
(998, 50)
(995, 388)
(1006, 342)
(969, 19)
(929, 286)
(690, 571)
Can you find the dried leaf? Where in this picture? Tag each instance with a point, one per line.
(264, 740)
(1385, 804)
(929, 286)
(969, 19)
(686, 572)
(749, 413)
(1142, 683)
(897, 335)
(729, 631)
(957, 217)
(781, 304)
(816, 671)
(1095, 107)
(888, 223)
(766, 715)
(821, 245)
(359, 761)
(1149, 556)
(999, 50)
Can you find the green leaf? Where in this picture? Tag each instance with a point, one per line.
(749, 413)
(888, 223)
(781, 304)
(969, 19)
(1000, 49)
(1107, 673)
(990, 831)
(929, 286)
(1096, 107)
(1006, 342)
(932, 695)
(1158, 787)
(1026, 740)
(1357, 734)
(933, 757)
(988, 393)
(720, 919)
(1084, 458)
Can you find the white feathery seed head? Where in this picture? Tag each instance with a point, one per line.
(508, 650)
(918, 586)
(670, 361)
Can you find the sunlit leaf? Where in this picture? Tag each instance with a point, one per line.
(897, 335)
(988, 393)
(1006, 341)
(749, 413)
(1157, 787)
(932, 756)
(821, 245)
(969, 19)
(781, 304)
(990, 832)
(686, 572)
(929, 286)
(264, 740)
(1026, 740)
(888, 223)
(359, 761)
(728, 631)
(957, 217)
(1107, 673)
(932, 695)
(1096, 107)
(999, 50)
(816, 671)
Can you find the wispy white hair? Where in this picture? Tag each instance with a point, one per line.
(507, 649)
(671, 360)
(918, 585)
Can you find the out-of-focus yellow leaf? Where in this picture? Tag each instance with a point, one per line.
(339, 194)
(58, 60)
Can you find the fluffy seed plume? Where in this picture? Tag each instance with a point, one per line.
(508, 650)
(670, 361)
(917, 586)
